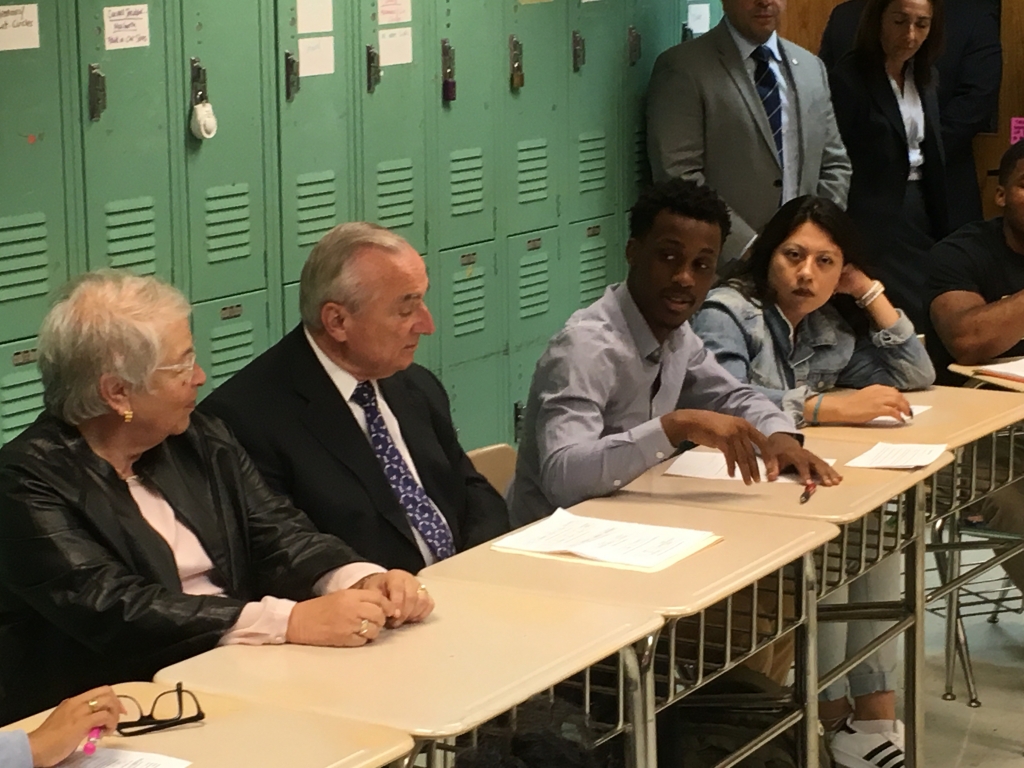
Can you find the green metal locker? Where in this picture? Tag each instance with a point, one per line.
(227, 238)
(599, 59)
(533, 124)
(21, 388)
(33, 140)
(316, 124)
(228, 333)
(124, 72)
(522, 363)
(292, 317)
(597, 257)
(538, 283)
(478, 391)
(464, 65)
(392, 146)
(470, 294)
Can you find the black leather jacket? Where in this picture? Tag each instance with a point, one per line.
(89, 592)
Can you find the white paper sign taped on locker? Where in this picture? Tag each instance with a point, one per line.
(126, 26)
(315, 16)
(394, 11)
(19, 27)
(698, 17)
(316, 56)
(395, 46)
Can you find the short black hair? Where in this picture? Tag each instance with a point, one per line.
(1011, 157)
(682, 197)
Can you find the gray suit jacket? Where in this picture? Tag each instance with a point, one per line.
(705, 122)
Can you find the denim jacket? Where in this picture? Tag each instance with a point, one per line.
(753, 344)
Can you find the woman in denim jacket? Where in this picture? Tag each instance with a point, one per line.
(797, 320)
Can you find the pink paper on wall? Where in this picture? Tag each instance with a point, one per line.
(1016, 129)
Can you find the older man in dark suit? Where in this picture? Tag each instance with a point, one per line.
(970, 70)
(337, 416)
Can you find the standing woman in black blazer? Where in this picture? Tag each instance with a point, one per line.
(886, 106)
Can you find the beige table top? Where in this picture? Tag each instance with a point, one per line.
(236, 734)
(958, 416)
(861, 491)
(483, 651)
(971, 371)
(752, 547)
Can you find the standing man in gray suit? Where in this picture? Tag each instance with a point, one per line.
(749, 114)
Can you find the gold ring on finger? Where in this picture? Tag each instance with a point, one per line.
(423, 588)
(93, 705)
(364, 627)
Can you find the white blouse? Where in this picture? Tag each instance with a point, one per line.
(912, 112)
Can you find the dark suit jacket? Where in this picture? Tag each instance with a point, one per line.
(287, 413)
(970, 71)
(872, 128)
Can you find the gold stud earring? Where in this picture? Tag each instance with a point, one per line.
(128, 416)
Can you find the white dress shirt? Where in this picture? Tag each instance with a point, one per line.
(912, 112)
(346, 384)
(791, 159)
(262, 623)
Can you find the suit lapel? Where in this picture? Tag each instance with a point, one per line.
(736, 68)
(329, 419)
(883, 96)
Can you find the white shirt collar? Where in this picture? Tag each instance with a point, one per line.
(746, 47)
(343, 380)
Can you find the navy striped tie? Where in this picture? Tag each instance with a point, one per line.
(768, 89)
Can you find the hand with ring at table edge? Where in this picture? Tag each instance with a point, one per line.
(346, 618)
(411, 600)
(70, 723)
(784, 451)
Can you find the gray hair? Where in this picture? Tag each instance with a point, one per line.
(104, 322)
(325, 276)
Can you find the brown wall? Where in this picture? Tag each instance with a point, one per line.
(805, 20)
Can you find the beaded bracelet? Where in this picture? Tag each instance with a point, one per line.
(876, 290)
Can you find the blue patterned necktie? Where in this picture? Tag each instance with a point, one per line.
(768, 89)
(423, 515)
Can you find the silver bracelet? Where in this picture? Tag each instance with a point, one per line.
(876, 290)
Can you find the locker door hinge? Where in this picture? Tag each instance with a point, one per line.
(373, 71)
(517, 77)
(518, 413)
(636, 45)
(579, 51)
(291, 76)
(447, 71)
(97, 92)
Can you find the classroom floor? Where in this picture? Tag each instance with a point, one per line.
(992, 735)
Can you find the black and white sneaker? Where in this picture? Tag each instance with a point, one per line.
(853, 748)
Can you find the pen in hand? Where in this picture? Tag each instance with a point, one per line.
(809, 489)
(90, 743)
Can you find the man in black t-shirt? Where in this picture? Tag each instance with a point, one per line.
(977, 312)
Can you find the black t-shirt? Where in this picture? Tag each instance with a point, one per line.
(977, 259)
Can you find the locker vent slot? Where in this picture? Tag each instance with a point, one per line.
(640, 162)
(232, 345)
(468, 292)
(532, 171)
(131, 234)
(534, 285)
(466, 169)
(593, 270)
(396, 184)
(21, 400)
(593, 161)
(228, 226)
(23, 257)
(316, 211)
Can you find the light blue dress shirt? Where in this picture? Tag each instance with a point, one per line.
(591, 424)
(790, 117)
(14, 750)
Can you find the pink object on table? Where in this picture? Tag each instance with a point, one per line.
(90, 744)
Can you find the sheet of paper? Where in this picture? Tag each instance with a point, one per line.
(1016, 129)
(710, 465)
(122, 758)
(630, 545)
(1012, 370)
(126, 26)
(894, 456)
(888, 421)
(394, 11)
(19, 27)
(315, 16)
(395, 46)
(316, 56)
(698, 17)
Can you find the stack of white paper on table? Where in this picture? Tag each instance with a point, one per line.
(614, 543)
(1013, 370)
(122, 758)
(889, 421)
(711, 465)
(898, 456)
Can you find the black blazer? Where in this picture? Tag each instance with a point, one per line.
(872, 128)
(970, 71)
(89, 592)
(288, 414)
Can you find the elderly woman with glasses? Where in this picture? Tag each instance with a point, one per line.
(135, 533)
